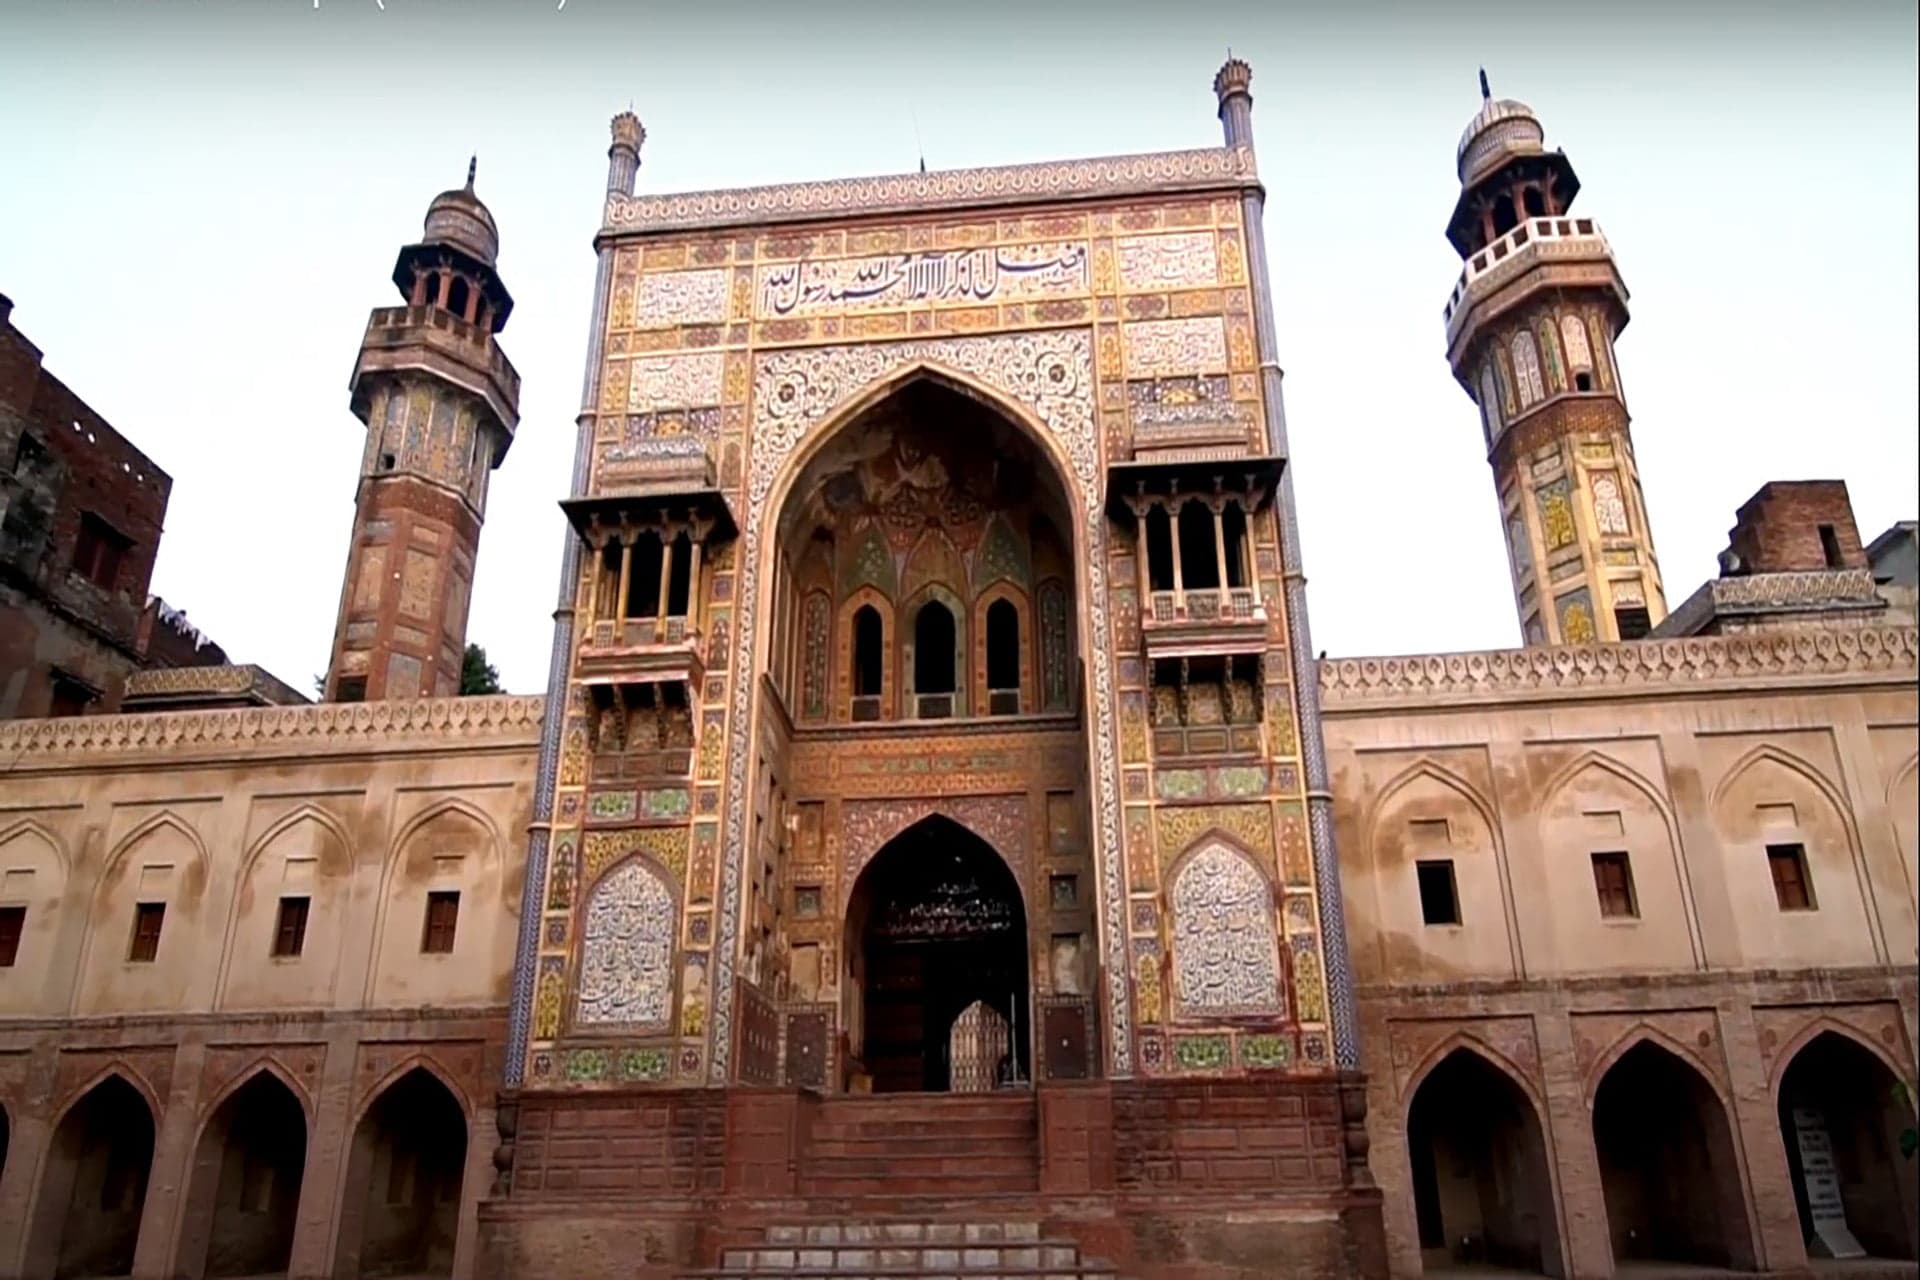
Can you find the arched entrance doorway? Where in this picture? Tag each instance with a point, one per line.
(1668, 1167)
(1842, 1114)
(1482, 1188)
(401, 1210)
(94, 1187)
(244, 1190)
(936, 945)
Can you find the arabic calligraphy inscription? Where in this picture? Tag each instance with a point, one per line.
(892, 281)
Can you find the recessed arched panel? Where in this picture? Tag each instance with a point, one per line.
(33, 882)
(1792, 864)
(1616, 892)
(289, 915)
(626, 950)
(1226, 955)
(445, 936)
(1439, 904)
(149, 921)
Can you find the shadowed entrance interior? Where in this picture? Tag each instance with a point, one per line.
(937, 947)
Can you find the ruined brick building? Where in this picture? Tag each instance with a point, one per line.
(939, 849)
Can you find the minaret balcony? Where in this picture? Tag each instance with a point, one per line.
(1575, 246)
(433, 340)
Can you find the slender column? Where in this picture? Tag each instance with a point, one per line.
(1179, 582)
(1220, 547)
(666, 583)
(693, 587)
(1140, 555)
(440, 285)
(1250, 560)
(626, 578)
(1232, 87)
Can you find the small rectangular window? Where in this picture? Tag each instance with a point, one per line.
(13, 922)
(98, 550)
(1439, 903)
(1791, 887)
(1830, 547)
(147, 919)
(443, 913)
(1633, 622)
(350, 689)
(1613, 882)
(290, 931)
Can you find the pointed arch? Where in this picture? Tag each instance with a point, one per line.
(1899, 776)
(1825, 1024)
(1786, 760)
(1001, 557)
(304, 812)
(166, 819)
(31, 827)
(418, 1060)
(445, 805)
(1592, 759)
(1428, 767)
(1644, 1032)
(1479, 1158)
(127, 1073)
(1468, 1041)
(867, 562)
(267, 1064)
(935, 561)
(980, 635)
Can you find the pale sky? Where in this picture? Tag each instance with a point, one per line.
(201, 201)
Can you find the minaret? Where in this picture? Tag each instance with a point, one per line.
(441, 401)
(1530, 335)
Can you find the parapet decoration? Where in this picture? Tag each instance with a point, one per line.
(1151, 173)
(1700, 664)
(426, 723)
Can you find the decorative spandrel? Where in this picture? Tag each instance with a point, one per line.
(1225, 957)
(626, 955)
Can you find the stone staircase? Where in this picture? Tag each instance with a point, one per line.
(901, 1145)
(906, 1250)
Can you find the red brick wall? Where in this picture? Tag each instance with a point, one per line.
(87, 467)
(1777, 530)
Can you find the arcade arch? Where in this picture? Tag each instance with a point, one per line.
(1668, 1166)
(401, 1208)
(93, 1186)
(937, 983)
(1482, 1183)
(1841, 1110)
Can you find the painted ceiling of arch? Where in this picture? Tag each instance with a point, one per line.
(926, 458)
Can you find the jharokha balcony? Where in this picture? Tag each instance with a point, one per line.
(645, 545)
(1199, 593)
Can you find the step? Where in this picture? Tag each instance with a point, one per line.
(891, 1249)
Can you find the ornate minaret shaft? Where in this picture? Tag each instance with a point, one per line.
(441, 401)
(1530, 335)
